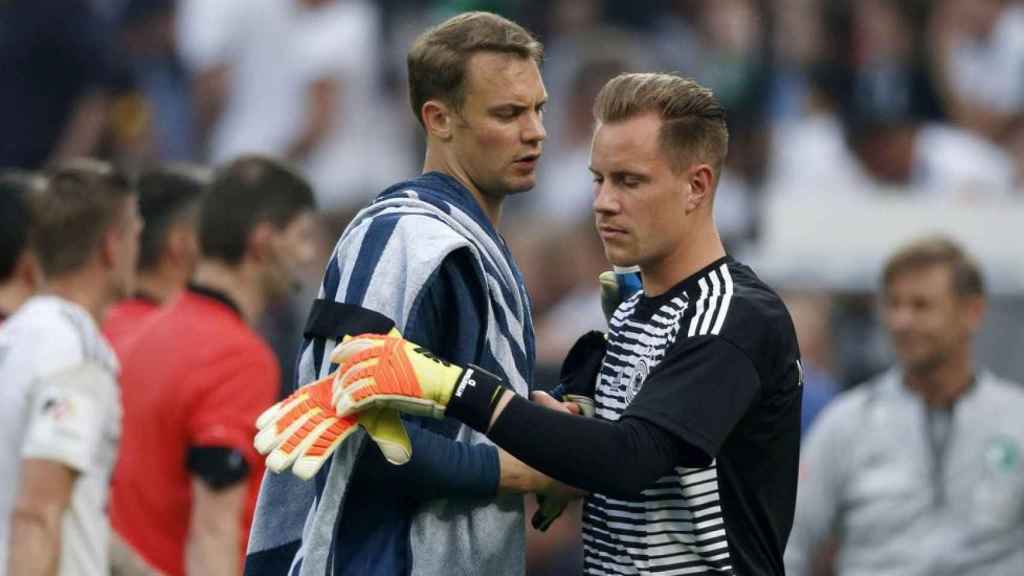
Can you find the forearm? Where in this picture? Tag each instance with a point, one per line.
(34, 548)
(440, 467)
(318, 120)
(615, 458)
(214, 533)
(125, 561)
(213, 549)
(82, 133)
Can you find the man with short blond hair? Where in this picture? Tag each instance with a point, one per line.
(426, 258)
(60, 409)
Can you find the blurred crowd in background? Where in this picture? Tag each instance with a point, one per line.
(840, 113)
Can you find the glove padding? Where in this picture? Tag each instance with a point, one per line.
(303, 430)
(389, 371)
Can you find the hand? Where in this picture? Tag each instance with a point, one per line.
(389, 371)
(546, 400)
(554, 499)
(303, 431)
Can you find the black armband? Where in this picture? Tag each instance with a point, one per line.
(474, 398)
(218, 466)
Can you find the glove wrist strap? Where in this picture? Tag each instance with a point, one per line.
(476, 393)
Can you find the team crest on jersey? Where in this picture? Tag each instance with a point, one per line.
(633, 379)
(58, 408)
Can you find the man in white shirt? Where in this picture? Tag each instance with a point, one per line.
(918, 471)
(60, 415)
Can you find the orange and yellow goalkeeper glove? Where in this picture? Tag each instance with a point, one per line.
(391, 372)
(302, 431)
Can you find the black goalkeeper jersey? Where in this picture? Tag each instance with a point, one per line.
(714, 362)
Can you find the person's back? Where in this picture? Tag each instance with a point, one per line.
(174, 380)
(72, 344)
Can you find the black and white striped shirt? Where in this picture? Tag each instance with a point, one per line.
(714, 362)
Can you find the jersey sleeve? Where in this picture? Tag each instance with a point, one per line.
(699, 392)
(222, 415)
(68, 415)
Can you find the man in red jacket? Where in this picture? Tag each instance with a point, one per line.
(197, 376)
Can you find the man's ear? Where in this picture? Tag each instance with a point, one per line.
(109, 246)
(179, 244)
(701, 180)
(29, 269)
(258, 246)
(437, 119)
(974, 310)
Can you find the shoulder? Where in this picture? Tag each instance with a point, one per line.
(1007, 394)
(58, 335)
(754, 319)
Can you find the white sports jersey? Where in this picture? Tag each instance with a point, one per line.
(59, 401)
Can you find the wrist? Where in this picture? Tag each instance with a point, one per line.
(474, 398)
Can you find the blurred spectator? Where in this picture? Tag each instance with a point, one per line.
(310, 95)
(565, 188)
(878, 98)
(55, 62)
(978, 49)
(197, 376)
(154, 122)
(168, 251)
(920, 470)
(576, 258)
(59, 404)
(811, 312)
(20, 274)
(798, 44)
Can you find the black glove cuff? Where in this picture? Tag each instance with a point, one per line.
(474, 398)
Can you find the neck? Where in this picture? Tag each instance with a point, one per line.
(699, 249)
(13, 294)
(941, 385)
(161, 284)
(437, 161)
(238, 283)
(85, 288)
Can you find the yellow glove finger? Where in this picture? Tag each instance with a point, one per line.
(386, 429)
(350, 346)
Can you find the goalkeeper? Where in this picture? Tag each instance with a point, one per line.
(427, 255)
(692, 454)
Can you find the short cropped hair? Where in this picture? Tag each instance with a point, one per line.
(82, 200)
(937, 251)
(438, 59)
(16, 218)
(244, 193)
(166, 195)
(693, 127)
